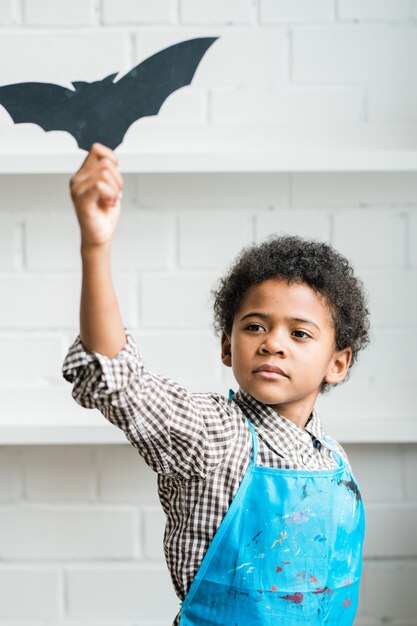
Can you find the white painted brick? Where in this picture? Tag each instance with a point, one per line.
(10, 475)
(238, 57)
(138, 11)
(371, 238)
(390, 590)
(65, 533)
(389, 358)
(64, 13)
(153, 534)
(410, 471)
(6, 12)
(183, 106)
(289, 104)
(191, 359)
(392, 296)
(19, 623)
(100, 623)
(58, 474)
(210, 240)
(94, 623)
(39, 301)
(361, 10)
(52, 301)
(274, 11)
(123, 476)
(355, 53)
(141, 240)
(28, 594)
(412, 239)
(176, 301)
(32, 411)
(378, 470)
(46, 354)
(391, 531)
(88, 55)
(395, 102)
(211, 190)
(360, 402)
(10, 243)
(218, 11)
(309, 224)
(52, 236)
(118, 593)
(144, 240)
(28, 193)
(354, 189)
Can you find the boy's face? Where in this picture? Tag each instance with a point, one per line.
(287, 328)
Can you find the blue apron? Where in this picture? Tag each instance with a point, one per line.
(288, 551)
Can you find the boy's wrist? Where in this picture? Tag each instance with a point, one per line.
(88, 250)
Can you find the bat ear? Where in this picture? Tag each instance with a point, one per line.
(79, 84)
(110, 78)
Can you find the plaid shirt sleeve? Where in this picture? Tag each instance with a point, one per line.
(176, 432)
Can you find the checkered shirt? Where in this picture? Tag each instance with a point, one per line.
(198, 443)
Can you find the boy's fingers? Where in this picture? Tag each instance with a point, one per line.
(98, 151)
(108, 193)
(95, 188)
(104, 168)
(109, 168)
(87, 180)
(103, 151)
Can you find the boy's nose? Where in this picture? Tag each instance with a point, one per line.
(273, 345)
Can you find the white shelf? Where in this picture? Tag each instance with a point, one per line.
(102, 432)
(151, 146)
(342, 161)
(49, 416)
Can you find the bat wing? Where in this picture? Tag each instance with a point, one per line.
(44, 104)
(143, 90)
(104, 110)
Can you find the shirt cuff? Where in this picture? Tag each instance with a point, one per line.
(95, 375)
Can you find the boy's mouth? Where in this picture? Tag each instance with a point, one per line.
(268, 370)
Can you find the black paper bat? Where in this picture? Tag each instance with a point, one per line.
(102, 111)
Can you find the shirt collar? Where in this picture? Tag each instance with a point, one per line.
(266, 419)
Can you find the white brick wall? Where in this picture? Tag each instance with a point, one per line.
(375, 10)
(354, 54)
(244, 105)
(218, 11)
(139, 12)
(80, 526)
(6, 12)
(276, 11)
(64, 13)
(84, 55)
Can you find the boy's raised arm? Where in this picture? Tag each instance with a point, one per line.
(96, 191)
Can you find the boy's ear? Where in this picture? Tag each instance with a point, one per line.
(339, 366)
(226, 350)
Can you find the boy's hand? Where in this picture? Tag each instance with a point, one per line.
(96, 191)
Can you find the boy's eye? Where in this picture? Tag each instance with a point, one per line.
(254, 327)
(301, 334)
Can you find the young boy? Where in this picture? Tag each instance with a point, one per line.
(265, 521)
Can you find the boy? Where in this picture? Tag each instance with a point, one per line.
(265, 521)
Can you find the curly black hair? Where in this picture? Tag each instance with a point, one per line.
(298, 260)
